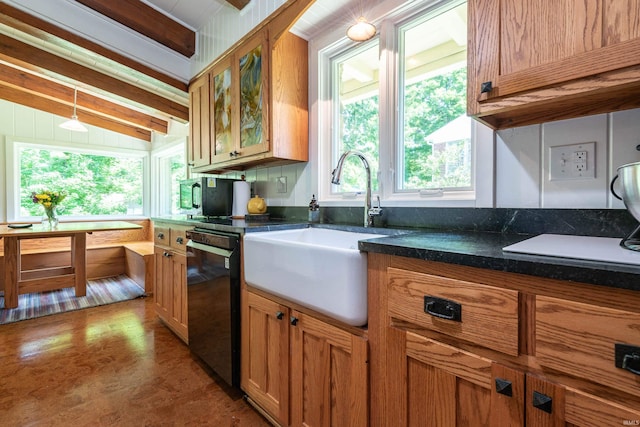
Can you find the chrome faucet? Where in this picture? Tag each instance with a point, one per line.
(369, 212)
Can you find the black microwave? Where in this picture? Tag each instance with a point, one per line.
(207, 196)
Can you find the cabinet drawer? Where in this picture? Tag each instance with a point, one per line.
(480, 314)
(161, 235)
(580, 339)
(582, 409)
(179, 238)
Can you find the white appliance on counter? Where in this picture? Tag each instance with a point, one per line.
(590, 248)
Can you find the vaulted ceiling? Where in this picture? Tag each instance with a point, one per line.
(41, 65)
(43, 61)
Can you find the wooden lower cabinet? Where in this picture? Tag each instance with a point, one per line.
(437, 373)
(434, 384)
(265, 354)
(170, 285)
(170, 291)
(302, 370)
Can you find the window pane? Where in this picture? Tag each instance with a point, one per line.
(178, 172)
(95, 184)
(436, 149)
(356, 75)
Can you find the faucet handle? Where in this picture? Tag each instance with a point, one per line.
(375, 210)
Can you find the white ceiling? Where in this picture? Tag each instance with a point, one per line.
(191, 13)
(319, 17)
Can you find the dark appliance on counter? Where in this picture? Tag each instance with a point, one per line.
(206, 196)
(213, 295)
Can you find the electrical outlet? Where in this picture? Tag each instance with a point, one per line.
(574, 161)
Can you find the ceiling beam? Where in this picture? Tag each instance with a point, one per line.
(48, 105)
(46, 31)
(32, 58)
(32, 85)
(239, 4)
(147, 21)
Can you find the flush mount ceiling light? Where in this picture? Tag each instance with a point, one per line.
(74, 124)
(362, 30)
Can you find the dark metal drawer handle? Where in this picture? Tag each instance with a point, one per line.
(542, 402)
(179, 240)
(443, 308)
(279, 315)
(628, 358)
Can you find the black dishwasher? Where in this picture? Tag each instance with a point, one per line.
(213, 294)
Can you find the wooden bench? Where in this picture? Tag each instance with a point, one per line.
(140, 264)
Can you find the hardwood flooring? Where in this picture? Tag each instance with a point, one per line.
(114, 365)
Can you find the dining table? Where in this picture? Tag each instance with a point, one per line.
(17, 281)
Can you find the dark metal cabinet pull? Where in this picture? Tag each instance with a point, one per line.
(542, 402)
(442, 308)
(160, 235)
(294, 320)
(279, 315)
(179, 240)
(486, 87)
(504, 387)
(628, 358)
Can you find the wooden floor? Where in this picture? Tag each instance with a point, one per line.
(114, 365)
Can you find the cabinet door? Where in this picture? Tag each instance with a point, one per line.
(329, 376)
(224, 128)
(163, 287)
(199, 147)
(265, 354)
(564, 49)
(178, 300)
(433, 384)
(252, 60)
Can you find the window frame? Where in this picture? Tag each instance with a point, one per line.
(322, 117)
(161, 200)
(12, 162)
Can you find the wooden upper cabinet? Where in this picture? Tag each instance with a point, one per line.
(252, 87)
(533, 61)
(258, 106)
(199, 147)
(223, 118)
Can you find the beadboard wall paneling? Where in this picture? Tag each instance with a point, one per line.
(522, 162)
(227, 27)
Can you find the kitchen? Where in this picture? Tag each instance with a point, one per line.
(518, 199)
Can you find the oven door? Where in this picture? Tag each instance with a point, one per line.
(213, 293)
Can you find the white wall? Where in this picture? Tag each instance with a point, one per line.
(31, 125)
(522, 161)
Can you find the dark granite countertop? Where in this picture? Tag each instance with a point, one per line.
(469, 248)
(484, 250)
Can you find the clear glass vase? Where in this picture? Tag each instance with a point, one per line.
(50, 217)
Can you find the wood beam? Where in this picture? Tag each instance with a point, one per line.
(33, 85)
(147, 21)
(239, 4)
(17, 96)
(46, 31)
(27, 56)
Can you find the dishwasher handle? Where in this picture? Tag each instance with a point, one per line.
(211, 249)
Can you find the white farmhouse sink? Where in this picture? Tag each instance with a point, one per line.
(316, 267)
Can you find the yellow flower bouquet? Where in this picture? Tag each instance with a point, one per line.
(49, 200)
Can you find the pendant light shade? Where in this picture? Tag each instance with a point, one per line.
(74, 124)
(362, 30)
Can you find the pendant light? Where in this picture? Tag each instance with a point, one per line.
(362, 30)
(74, 124)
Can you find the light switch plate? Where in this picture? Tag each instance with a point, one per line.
(572, 161)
